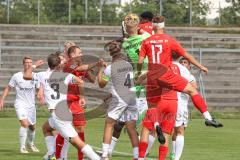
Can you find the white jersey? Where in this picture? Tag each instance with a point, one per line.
(120, 75)
(25, 90)
(55, 86)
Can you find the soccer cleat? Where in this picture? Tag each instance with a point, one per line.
(33, 148)
(52, 157)
(161, 138)
(172, 156)
(23, 151)
(213, 123)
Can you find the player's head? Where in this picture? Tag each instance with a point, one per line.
(158, 23)
(53, 61)
(146, 16)
(131, 22)
(27, 62)
(74, 51)
(113, 47)
(183, 61)
(67, 45)
(61, 56)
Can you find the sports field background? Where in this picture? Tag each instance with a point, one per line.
(201, 142)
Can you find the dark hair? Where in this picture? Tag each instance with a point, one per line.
(183, 58)
(71, 50)
(158, 19)
(58, 53)
(25, 58)
(113, 46)
(53, 60)
(175, 56)
(147, 15)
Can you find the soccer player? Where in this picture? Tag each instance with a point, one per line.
(158, 48)
(146, 22)
(122, 103)
(182, 116)
(55, 84)
(75, 66)
(24, 104)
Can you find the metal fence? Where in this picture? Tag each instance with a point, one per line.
(79, 12)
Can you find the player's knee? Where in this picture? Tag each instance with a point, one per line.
(32, 127)
(118, 127)
(180, 131)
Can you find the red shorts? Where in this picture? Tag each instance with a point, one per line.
(78, 113)
(164, 114)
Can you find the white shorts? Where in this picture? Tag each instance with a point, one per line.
(119, 110)
(26, 113)
(182, 115)
(142, 105)
(65, 128)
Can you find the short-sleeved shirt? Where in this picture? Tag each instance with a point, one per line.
(55, 85)
(148, 27)
(25, 89)
(159, 47)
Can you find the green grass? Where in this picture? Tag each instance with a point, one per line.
(201, 142)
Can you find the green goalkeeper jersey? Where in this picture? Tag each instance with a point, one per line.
(131, 47)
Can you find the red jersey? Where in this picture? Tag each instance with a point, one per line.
(168, 93)
(73, 89)
(148, 27)
(159, 47)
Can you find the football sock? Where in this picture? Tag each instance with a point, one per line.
(179, 146)
(64, 151)
(22, 136)
(199, 103)
(112, 145)
(59, 145)
(31, 136)
(50, 143)
(142, 149)
(135, 153)
(88, 151)
(207, 115)
(162, 152)
(173, 147)
(105, 149)
(151, 140)
(80, 153)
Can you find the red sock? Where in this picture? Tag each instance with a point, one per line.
(80, 154)
(199, 103)
(162, 152)
(142, 147)
(59, 145)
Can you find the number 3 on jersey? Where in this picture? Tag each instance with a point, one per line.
(55, 87)
(156, 56)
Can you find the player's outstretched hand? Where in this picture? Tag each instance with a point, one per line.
(38, 63)
(204, 69)
(213, 123)
(1, 104)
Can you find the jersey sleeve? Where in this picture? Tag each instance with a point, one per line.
(36, 80)
(192, 78)
(176, 47)
(12, 82)
(69, 79)
(107, 73)
(185, 73)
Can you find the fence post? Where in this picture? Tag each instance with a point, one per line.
(86, 10)
(38, 11)
(0, 50)
(202, 89)
(160, 7)
(69, 11)
(190, 14)
(8, 10)
(220, 10)
(101, 7)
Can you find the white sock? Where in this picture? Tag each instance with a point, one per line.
(50, 143)
(105, 149)
(112, 145)
(31, 136)
(135, 153)
(151, 140)
(64, 152)
(207, 115)
(88, 151)
(179, 146)
(22, 136)
(173, 147)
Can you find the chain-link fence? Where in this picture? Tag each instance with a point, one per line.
(105, 12)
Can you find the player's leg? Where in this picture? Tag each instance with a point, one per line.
(116, 134)
(151, 140)
(179, 142)
(23, 135)
(80, 131)
(49, 138)
(174, 135)
(64, 152)
(133, 135)
(107, 136)
(59, 145)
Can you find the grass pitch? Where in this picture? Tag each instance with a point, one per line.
(201, 142)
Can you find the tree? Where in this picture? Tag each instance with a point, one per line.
(231, 15)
